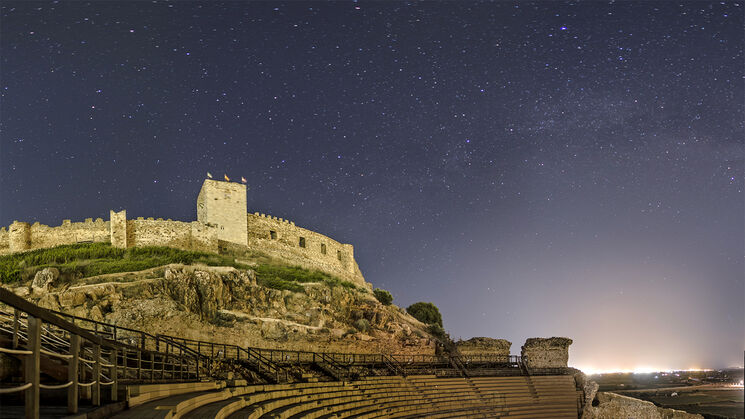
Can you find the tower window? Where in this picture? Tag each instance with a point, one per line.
(302, 242)
(272, 234)
(323, 248)
(338, 254)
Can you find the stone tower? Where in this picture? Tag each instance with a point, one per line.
(118, 228)
(223, 204)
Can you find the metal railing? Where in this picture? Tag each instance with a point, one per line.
(94, 360)
(101, 354)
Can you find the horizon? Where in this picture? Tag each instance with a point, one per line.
(547, 169)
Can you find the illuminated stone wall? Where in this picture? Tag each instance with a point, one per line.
(546, 352)
(4, 241)
(484, 346)
(296, 245)
(223, 204)
(221, 216)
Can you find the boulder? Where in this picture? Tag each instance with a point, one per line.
(45, 279)
(70, 299)
(96, 314)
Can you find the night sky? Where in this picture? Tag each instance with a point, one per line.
(534, 169)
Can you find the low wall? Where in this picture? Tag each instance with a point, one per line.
(546, 352)
(484, 346)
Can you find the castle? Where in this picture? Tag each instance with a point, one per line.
(222, 224)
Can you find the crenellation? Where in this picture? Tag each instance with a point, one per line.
(303, 247)
(222, 222)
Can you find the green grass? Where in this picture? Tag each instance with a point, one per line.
(85, 260)
(90, 259)
(290, 277)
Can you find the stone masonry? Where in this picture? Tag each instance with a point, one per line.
(221, 218)
(546, 352)
(223, 204)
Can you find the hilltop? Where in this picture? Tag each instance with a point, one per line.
(245, 297)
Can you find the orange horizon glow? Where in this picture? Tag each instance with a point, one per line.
(638, 370)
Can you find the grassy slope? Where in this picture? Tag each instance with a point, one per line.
(90, 259)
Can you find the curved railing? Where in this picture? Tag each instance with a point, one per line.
(92, 360)
(99, 355)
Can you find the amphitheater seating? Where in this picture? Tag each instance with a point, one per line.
(373, 397)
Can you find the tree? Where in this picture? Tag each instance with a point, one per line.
(383, 296)
(426, 313)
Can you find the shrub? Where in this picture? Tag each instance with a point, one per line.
(383, 296)
(437, 331)
(426, 313)
(362, 325)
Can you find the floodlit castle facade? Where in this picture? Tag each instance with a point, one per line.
(222, 224)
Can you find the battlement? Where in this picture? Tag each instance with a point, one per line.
(281, 220)
(221, 216)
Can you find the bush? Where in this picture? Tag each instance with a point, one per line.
(362, 325)
(437, 331)
(383, 296)
(426, 313)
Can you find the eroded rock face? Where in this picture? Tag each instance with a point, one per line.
(484, 346)
(45, 279)
(546, 352)
(224, 304)
(613, 406)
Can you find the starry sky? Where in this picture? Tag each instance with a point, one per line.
(534, 169)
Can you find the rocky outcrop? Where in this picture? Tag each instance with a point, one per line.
(546, 352)
(612, 406)
(225, 304)
(484, 346)
(45, 279)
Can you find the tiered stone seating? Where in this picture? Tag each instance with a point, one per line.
(374, 397)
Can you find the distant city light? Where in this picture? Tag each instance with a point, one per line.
(638, 370)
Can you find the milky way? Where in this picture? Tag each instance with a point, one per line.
(532, 169)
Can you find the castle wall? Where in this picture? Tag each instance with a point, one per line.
(178, 234)
(203, 237)
(223, 204)
(4, 241)
(118, 228)
(221, 213)
(296, 245)
(19, 236)
(23, 236)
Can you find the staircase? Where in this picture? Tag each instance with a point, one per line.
(329, 365)
(394, 366)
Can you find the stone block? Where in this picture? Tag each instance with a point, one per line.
(546, 352)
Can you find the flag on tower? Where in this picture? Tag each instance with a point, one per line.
(243, 179)
(227, 179)
(209, 175)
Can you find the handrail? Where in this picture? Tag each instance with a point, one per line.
(97, 354)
